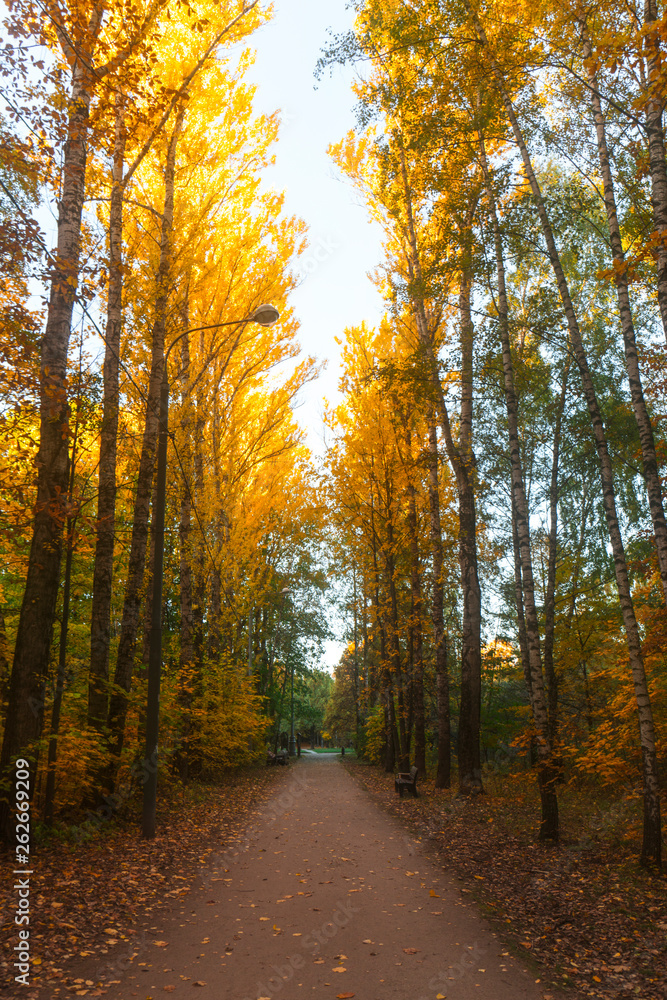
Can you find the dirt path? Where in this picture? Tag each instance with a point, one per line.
(327, 897)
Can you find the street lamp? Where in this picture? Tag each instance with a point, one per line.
(265, 315)
(292, 741)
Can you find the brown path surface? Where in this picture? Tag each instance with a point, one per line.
(328, 896)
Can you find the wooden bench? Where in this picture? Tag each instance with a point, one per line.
(282, 757)
(407, 781)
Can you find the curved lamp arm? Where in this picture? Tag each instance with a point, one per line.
(265, 315)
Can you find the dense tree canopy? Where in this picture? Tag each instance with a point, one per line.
(489, 513)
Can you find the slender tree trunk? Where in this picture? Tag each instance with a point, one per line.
(416, 618)
(443, 773)
(100, 620)
(546, 774)
(383, 672)
(649, 457)
(550, 597)
(357, 718)
(199, 554)
(62, 650)
(187, 667)
(655, 134)
(52, 756)
(518, 602)
(462, 461)
(137, 560)
(652, 840)
(470, 768)
(25, 713)
(403, 749)
(148, 582)
(4, 664)
(444, 769)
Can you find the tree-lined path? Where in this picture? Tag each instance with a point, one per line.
(327, 896)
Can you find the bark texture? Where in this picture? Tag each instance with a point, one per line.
(462, 460)
(416, 619)
(655, 135)
(521, 526)
(639, 407)
(137, 559)
(652, 840)
(34, 636)
(100, 623)
(443, 776)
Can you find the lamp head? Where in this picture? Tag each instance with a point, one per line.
(265, 315)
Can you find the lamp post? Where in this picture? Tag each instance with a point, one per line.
(265, 315)
(292, 739)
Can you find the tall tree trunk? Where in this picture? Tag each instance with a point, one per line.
(444, 770)
(652, 840)
(187, 666)
(443, 773)
(552, 565)
(470, 768)
(52, 753)
(655, 134)
(416, 617)
(199, 587)
(148, 582)
(100, 619)
(357, 717)
(518, 602)
(383, 672)
(546, 772)
(137, 560)
(403, 750)
(462, 460)
(649, 457)
(25, 713)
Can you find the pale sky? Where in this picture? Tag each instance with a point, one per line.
(344, 245)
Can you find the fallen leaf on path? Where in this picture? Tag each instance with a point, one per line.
(168, 989)
(339, 968)
(160, 944)
(344, 996)
(434, 894)
(367, 941)
(411, 951)
(198, 982)
(440, 996)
